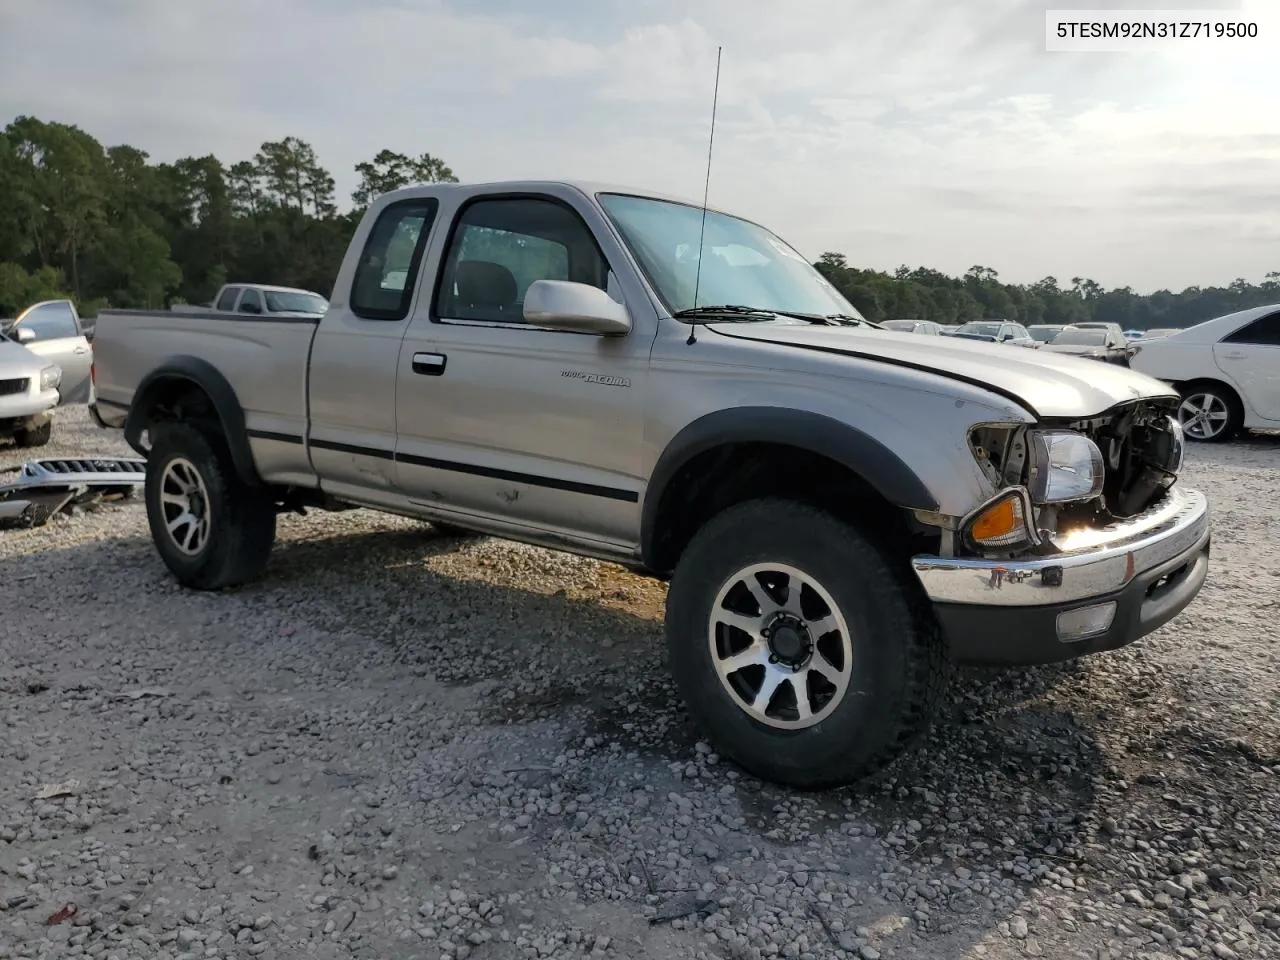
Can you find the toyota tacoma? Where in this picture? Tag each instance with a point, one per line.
(842, 511)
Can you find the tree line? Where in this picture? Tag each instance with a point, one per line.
(923, 294)
(107, 226)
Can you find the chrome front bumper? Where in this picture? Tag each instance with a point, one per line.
(1094, 563)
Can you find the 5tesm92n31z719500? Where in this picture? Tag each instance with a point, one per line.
(840, 509)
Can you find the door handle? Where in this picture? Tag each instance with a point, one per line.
(429, 364)
(82, 350)
(1235, 356)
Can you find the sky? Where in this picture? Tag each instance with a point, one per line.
(925, 132)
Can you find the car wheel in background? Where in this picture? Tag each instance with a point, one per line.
(1209, 413)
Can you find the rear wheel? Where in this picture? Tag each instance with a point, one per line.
(792, 640)
(211, 529)
(1209, 413)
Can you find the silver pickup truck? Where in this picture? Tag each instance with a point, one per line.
(841, 510)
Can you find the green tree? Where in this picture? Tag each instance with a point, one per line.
(389, 171)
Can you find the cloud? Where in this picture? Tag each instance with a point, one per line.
(917, 132)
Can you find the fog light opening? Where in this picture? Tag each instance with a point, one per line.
(1084, 622)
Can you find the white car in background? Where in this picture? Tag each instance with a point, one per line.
(1227, 370)
(53, 330)
(28, 392)
(926, 327)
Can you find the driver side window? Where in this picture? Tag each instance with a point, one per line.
(501, 247)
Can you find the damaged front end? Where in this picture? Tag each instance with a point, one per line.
(1058, 481)
(39, 489)
(1088, 544)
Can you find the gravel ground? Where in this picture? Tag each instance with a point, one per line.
(400, 745)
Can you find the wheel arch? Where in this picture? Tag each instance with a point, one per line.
(186, 387)
(706, 453)
(1182, 386)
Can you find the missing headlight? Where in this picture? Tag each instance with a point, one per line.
(1156, 452)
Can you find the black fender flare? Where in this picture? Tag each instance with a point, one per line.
(216, 387)
(861, 453)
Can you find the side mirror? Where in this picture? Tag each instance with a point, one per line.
(250, 308)
(24, 335)
(564, 305)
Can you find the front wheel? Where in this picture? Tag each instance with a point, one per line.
(793, 642)
(211, 529)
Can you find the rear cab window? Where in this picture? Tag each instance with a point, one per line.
(227, 301)
(387, 271)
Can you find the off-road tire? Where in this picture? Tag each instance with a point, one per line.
(34, 436)
(899, 664)
(242, 519)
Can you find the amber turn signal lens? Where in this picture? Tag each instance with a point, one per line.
(1001, 524)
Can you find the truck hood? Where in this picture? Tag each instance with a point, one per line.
(1050, 386)
(17, 361)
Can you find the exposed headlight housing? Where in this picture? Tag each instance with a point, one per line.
(1064, 467)
(51, 377)
(1174, 448)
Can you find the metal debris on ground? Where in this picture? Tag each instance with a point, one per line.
(68, 788)
(39, 489)
(680, 906)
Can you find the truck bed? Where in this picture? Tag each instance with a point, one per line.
(269, 356)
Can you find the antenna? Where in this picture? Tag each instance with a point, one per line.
(706, 192)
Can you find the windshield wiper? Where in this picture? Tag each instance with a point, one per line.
(850, 320)
(731, 310)
(738, 313)
(725, 312)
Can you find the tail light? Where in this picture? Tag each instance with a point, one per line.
(93, 373)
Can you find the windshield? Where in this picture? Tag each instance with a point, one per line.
(1083, 338)
(982, 329)
(744, 264)
(280, 302)
(1043, 334)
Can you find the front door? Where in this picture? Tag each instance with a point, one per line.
(56, 336)
(498, 418)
